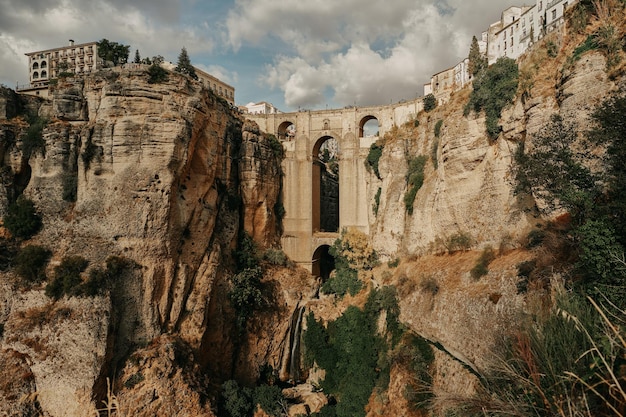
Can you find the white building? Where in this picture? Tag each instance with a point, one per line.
(262, 107)
(48, 64)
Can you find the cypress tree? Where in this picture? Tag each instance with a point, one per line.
(184, 65)
(477, 62)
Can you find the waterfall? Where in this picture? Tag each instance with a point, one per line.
(290, 357)
(294, 361)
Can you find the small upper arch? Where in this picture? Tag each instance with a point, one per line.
(369, 126)
(286, 130)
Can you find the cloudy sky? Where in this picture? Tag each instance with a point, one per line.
(293, 53)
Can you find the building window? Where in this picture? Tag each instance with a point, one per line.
(540, 5)
(35, 66)
(554, 14)
(43, 64)
(44, 74)
(35, 75)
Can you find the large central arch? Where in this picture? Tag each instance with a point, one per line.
(325, 185)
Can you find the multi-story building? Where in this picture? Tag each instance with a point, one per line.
(218, 87)
(210, 82)
(262, 107)
(48, 64)
(511, 36)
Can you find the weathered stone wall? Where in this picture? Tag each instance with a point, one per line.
(164, 177)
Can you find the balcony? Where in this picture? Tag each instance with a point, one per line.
(553, 3)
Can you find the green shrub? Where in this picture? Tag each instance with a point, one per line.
(430, 102)
(157, 74)
(67, 277)
(356, 358)
(460, 241)
(350, 376)
(277, 148)
(415, 179)
(429, 284)
(22, 220)
(481, 267)
(371, 162)
(552, 48)
(493, 91)
(394, 263)
(33, 140)
(270, 399)
(8, 250)
(438, 125)
(30, 263)
(345, 280)
(101, 280)
(245, 294)
(247, 253)
(376, 201)
(276, 257)
(236, 401)
(433, 153)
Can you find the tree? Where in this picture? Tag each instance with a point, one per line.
(113, 52)
(137, 59)
(477, 61)
(430, 102)
(493, 92)
(22, 219)
(184, 65)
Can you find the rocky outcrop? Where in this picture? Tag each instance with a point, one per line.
(148, 172)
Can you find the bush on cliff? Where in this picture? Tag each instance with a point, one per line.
(30, 263)
(22, 219)
(493, 91)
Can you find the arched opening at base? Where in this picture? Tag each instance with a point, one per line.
(322, 263)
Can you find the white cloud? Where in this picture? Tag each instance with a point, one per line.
(331, 45)
(39, 25)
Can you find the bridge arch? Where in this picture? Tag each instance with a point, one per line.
(286, 130)
(369, 124)
(322, 263)
(325, 185)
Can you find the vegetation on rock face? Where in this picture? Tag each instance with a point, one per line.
(22, 219)
(356, 358)
(113, 52)
(238, 401)
(33, 140)
(414, 179)
(66, 277)
(352, 252)
(371, 163)
(430, 102)
(184, 65)
(245, 294)
(595, 201)
(30, 263)
(477, 60)
(563, 363)
(493, 91)
(376, 203)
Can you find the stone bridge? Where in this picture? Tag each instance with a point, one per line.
(317, 205)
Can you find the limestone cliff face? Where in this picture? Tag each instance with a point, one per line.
(471, 192)
(157, 172)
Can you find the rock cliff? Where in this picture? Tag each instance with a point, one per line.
(165, 175)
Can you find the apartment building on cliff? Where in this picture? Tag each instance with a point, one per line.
(517, 30)
(43, 66)
(48, 64)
